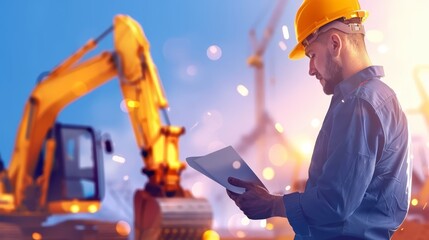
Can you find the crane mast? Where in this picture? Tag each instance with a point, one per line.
(256, 61)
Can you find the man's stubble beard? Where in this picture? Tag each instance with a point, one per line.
(334, 75)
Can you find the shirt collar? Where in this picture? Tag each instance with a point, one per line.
(350, 84)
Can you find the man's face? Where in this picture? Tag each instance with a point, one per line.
(323, 66)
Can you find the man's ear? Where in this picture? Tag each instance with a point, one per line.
(335, 44)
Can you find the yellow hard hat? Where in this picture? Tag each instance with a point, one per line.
(314, 14)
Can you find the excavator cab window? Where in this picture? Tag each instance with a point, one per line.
(75, 172)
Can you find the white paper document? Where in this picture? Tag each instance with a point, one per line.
(224, 163)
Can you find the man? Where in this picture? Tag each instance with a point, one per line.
(359, 176)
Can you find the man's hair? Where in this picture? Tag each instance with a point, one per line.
(357, 40)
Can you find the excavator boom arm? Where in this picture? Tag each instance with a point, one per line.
(142, 91)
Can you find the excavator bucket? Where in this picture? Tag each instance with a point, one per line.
(170, 218)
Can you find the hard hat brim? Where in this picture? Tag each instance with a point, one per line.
(297, 52)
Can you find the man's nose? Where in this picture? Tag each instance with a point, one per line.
(311, 69)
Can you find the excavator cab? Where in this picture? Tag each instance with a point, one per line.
(68, 178)
(76, 179)
(77, 168)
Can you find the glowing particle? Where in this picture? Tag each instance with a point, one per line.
(196, 124)
(123, 228)
(285, 31)
(245, 221)
(198, 189)
(36, 236)
(279, 127)
(133, 104)
(306, 148)
(191, 70)
(214, 52)
(236, 164)
(278, 154)
(383, 49)
(268, 173)
(123, 106)
(315, 123)
(118, 159)
(242, 90)
(263, 223)
(374, 36)
(282, 46)
(211, 235)
(240, 234)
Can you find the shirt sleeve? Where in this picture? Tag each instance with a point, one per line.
(353, 142)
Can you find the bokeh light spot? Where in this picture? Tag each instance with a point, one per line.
(214, 52)
(374, 36)
(211, 235)
(191, 70)
(36, 236)
(269, 226)
(240, 234)
(268, 173)
(383, 48)
(277, 154)
(282, 46)
(285, 31)
(242, 90)
(198, 189)
(279, 127)
(245, 221)
(315, 123)
(123, 228)
(263, 223)
(118, 159)
(236, 164)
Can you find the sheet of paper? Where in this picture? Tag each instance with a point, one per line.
(224, 163)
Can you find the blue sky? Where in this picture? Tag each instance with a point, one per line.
(38, 35)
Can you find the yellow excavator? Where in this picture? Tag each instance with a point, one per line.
(57, 168)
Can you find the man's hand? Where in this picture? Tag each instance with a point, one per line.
(256, 202)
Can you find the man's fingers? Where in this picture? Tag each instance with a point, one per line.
(232, 195)
(239, 183)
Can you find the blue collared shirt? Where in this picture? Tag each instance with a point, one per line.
(359, 181)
